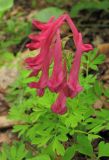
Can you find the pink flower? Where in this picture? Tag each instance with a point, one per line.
(49, 42)
(59, 106)
(72, 88)
(42, 26)
(56, 80)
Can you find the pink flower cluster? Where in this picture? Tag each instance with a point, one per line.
(49, 42)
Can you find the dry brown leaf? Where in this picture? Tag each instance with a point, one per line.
(105, 77)
(4, 138)
(107, 60)
(98, 104)
(104, 48)
(6, 123)
(7, 76)
(106, 105)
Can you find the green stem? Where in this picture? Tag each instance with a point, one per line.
(78, 131)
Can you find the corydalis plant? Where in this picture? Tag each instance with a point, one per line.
(49, 42)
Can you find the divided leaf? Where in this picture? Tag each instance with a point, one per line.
(58, 147)
(84, 146)
(103, 149)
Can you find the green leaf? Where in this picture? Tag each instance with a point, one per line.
(97, 129)
(13, 152)
(3, 155)
(40, 157)
(99, 59)
(35, 116)
(21, 152)
(103, 114)
(58, 147)
(45, 14)
(62, 137)
(21, 129)
(84, 145)
(6, 57)
(106, 92)
(93, 66)
(5, 5)
(98, 88)
(41, 141)
(93, 136)
(69, 153)
(90, 5)
(103, 149)
(71, 121)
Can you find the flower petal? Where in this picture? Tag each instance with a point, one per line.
(33, 45)
(59, 107)
(41, 25)
(72, 87)
(87, 47)
(56, 80)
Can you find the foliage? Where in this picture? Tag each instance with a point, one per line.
(12, 34)
(59, 2)
(5, 5)
(49, 133)
(45, 14)
(89, 5)
(77, 6)
(16, 152)
(103, 149)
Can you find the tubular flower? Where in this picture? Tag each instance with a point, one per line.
(59, 106)
(56, 80)
(49, 42)
(72, 87)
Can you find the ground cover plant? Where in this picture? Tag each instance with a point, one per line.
(56, 88)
